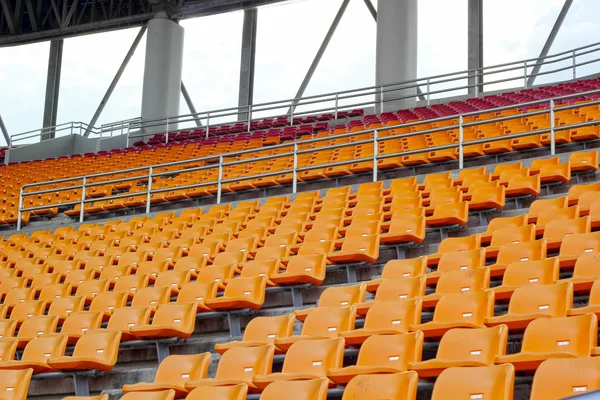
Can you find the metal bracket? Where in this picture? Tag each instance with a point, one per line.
(81, 384)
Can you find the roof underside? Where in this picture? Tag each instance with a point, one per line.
(29, 21)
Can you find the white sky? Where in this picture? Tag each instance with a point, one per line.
(288, 38)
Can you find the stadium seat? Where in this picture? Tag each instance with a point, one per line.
(65, 306)
(160, 395)
(494, 382)
(585, 272)
(336, 296)
(500, 223)
(239, 366)
(464, 348)
(14, 384)
(464, 310)
(311, 389)
(198, 292)
(261, 331)
(459, 281)
(399, 269)
(382, 386)
(541, 272)
(565, 377)
(303, 269)
(126, 318)
(173, 372)
(95, 350)
(25, 310)
(518, 252)
(454, 244)
(382, 354)
(394, 289)
(577, 245)
(563, 337)
(78, 324)
(306, 359)
(106, 303)
(169, 320)
(457, 261)
(509, 235)
(36, 354)
(241, 293)
(152, 297)
(35, 327)
(555, 231)
(233, 392)
(8, 349)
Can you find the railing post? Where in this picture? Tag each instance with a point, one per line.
(219, 179)
(82, 199)
(149, 187)
(249, 116)
(19, 213)
(127, 139)
(428, 95)
(552, 133)
(336, 105)
(167, 134)
(525, 74)
(295, 170)
(292, 113)
(207, 124)
(375, 154)
(461, 157)
(574, 65)
(380, 99)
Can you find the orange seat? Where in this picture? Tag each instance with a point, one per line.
(160, 395)
(464, 310)
(357, 249)
(303, 269)
(500, 223)
(241, 293)
(454, 244)
(504, 236)
(78, 324)
(586, 271)
(518, 252)
(450, 214)
(557, 230)
(460, 281)
(382, 386)
(36, 354)
(561, 337)
(126, 318)
(65, 306)
(336, 296)
(584, 161)
(563, 377)
(261, 331)
(394, 289)
(14, 384)
(399, 269)
(464, 348)
(457, 261)
(494, 382)
(576, 191)
(178, 319)
(34, 327)
(541, 272)
(233, 392)
(95, 350)
(382, 354)
(106, 303)
(577, 245)
(311, 389)
(405, 230)
(172, 374)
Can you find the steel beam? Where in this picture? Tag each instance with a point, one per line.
(372, 9)
(321, 51)
(115, 80)
(52, 87)
(248, 61)
(559, 20)
(4, 131)
(190, 104)
(475, 45)
(8, 15)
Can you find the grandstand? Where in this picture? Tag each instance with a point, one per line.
(396, 249)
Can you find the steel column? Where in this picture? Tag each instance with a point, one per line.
(549, 41)
(190, 104)
(4, 131)
(372, 9)
(115, 80)
(52, 87)
(475, 45)
(248, 61)
(321, 51)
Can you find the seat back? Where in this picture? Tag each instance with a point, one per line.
(14, 384)
(463, 281)
(513, 235)
(382, 386)
(123, 319)
(180, 315)
(564, 377)
(312, 389)
(160, 395)
(244, 363)
(251, 289)
(587, 265)
(461, 260)
(524, 251)
(494, 382)
(573, 335)
(7, 328)
(397, 315)
(478, 345)
(27, 309)
(179, 369)
(507, 222)
(230, 258)
(215, 274)
(580, 244)
(401, 288)
(65, 306)
(404, 268)
(540, 205)
(151, 297)
(173, 279)
(266, 329)
(108, 302)
(234, 392)
(314, 357)
(81, 322)
(42, 348)
(92, 288)
(460, 244)
(329, 321)
(101, 345)
(532, 272)
(473, 307)
(18, 295)
(342, 296)
(38, 326)
(559, 229)
(197, 292)
(394, 351)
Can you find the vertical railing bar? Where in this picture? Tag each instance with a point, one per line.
(249, 116)
(149, 188)
(295, 170)
(525, 74)
(574, 65)
(428, 90)
(167, 134)
(292, 113)
(375, 154)
(380, 99)
(220, 178)
(336, 105)
(461, 156)
(552, 133)
(207, 123)
(19, 212)
(82, 204)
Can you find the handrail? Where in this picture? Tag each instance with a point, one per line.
(407, 89)
(460, 125)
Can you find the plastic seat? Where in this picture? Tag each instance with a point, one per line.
(399, 269)
(494, 382)
(95, 350)
(321, 323)
(586, 271)
(233, 392)
(461, 281)
(172, 279)
(99, 397)
(385, 318)
(65, 306)
(89, 289)
(518, 252)
(500, 223)
(106, 303)
(239, 366)
(7, 328)
(173, 372)
(303, 269)
(557, 230)
(198, 292)
(261, 331)
(564, 377)
(394, 289)
(312, 389)
(78, 324)
(584, 161)
(382, 386)
(405, 230)
(34, 327)
(464, 310)
(18, 295)
(454, 244)
(36, 354)
(577, 245)
(178, 319)
(160, 395)
(357, 249)
(541, 272)
(126, 318)
(241, 293)
(546, 216)
(14, 384)
(450, 214)
(306, 359)
(504, 236)
(457, 261)
(131, 285)
(8, 349)
(27, 309)
(217, 275)
(464, 348)
(337, 296)
(577, 190)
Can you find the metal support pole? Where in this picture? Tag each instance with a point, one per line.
(247, 60)
(525, 74)
(295, 170)
(19, 212)
(292, 107)
(52, 88)
(190, 104)
(149, 187)
(552, 133)
(461, 138)
(207, 124)
(321, 51)
(167, 132)
(4, 130)
(574, 65)
(549, 41)
(249, 116)
(475, 45)
(82, 204)
(220, 178)
(80, 382)
(115, 80)
(375, 153)
(337, 100)
(428, 92)
(372, 9)
(380, 100)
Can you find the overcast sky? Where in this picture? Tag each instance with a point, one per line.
(289, 35)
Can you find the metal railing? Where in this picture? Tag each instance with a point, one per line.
(378, 97)
(149, 173)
